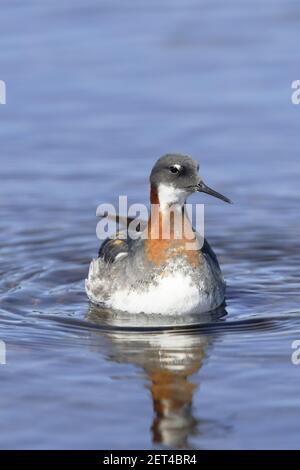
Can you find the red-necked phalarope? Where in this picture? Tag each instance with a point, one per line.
(159, 275)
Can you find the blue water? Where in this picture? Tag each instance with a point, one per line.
(96, 92)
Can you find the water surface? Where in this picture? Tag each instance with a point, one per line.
(96, 91)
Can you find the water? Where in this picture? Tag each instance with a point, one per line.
(96, 91)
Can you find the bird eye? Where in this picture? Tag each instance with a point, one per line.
(175, 168)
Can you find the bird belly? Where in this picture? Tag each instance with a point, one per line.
(173, 290)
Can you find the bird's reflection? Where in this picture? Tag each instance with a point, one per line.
(169, 356)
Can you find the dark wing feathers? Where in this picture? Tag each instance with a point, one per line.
(207, 250)
(111, 248)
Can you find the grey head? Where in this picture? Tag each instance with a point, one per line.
(176, 177)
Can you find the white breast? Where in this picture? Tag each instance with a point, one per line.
(175, 290)
(172, 294)
(169, 195)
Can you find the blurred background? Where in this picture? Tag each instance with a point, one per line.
(97, 90)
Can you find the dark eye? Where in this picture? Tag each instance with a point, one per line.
(175, 168)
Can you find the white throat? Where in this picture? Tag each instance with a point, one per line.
(169, 196)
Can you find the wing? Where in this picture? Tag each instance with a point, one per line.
(113, 249)
(207, 250)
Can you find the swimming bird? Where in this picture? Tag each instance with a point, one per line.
(161, 271)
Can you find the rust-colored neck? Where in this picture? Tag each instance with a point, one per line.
(153, 194)
(162, 233)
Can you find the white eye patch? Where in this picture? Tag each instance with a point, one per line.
(177, 166)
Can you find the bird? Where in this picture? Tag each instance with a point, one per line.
(154, 273)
